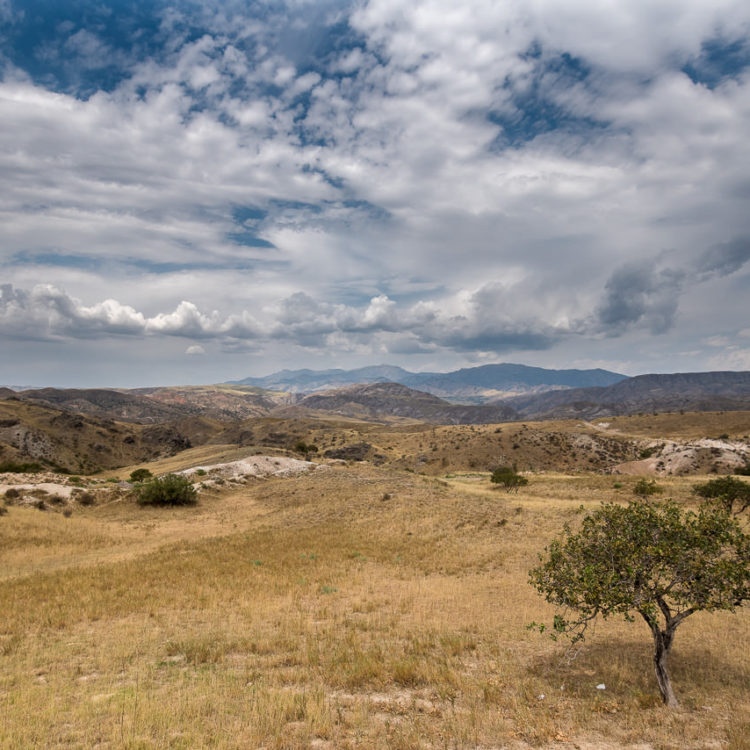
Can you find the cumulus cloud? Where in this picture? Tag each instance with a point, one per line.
(638, 294)
(195, 350)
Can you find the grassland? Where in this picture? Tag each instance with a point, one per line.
(353, 607)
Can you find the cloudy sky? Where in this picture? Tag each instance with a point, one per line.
(192, 192)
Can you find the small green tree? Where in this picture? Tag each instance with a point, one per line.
(508, 477)
(171, 489)
(140, 475)
(732, 494)
(650, 559)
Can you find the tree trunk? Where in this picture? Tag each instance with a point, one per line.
(662, 645)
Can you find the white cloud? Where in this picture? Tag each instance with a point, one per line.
(195, 350)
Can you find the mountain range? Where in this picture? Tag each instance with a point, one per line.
(478, 385)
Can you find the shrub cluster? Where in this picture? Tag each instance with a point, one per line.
(171, 489)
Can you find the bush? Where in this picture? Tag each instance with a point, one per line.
(646, 487)
(86, 498)
(302, 447)
(140, 475)
(508, 477)
(12, 494)
(172, 489)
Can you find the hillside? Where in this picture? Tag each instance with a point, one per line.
(34, 432)
(699, 391)
(157, 405)
(394, 400)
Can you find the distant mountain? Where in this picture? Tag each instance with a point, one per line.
(692, 391)
(379, 400)
(311, 381)
(469, 385)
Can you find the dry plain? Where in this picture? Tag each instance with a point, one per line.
(352, 606)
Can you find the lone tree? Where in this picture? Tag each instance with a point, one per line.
(650, 559)
(731, 494)
(508, 477)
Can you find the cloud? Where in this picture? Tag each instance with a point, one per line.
(195, 350)
(638, 294)
(725, 258)
(421, 179)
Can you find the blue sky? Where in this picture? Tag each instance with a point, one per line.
(195, 192)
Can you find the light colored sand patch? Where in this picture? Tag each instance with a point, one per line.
(49, 487)
(254, 466)
(688, 457)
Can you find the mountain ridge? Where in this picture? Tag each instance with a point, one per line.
(477, 385)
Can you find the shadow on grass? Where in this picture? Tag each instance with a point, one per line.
(625, 667)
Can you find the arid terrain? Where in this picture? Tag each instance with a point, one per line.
(371, 593)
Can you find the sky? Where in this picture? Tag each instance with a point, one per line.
(193, 192)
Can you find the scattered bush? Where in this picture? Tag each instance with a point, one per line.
(172, 489)
(12, 494)
(201, 472)
(646, 487)
(733, 495)
(3, 510)
(140, 475)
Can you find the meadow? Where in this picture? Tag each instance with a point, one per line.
(353, 607)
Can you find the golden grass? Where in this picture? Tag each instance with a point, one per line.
(317, 612)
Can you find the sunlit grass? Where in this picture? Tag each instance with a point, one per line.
(313, 612)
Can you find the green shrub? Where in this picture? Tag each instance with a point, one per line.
(172, 489)
(646, 487)
(140, 475)
(508, 477)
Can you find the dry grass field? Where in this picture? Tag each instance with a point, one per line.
(354, 606)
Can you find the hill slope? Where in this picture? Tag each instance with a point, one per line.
(394, 400)
(696, 391)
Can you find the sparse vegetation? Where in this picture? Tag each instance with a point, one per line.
(172, 489)
(352, 607)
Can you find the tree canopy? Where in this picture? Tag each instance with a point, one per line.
(649, 559)
(732, 494)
